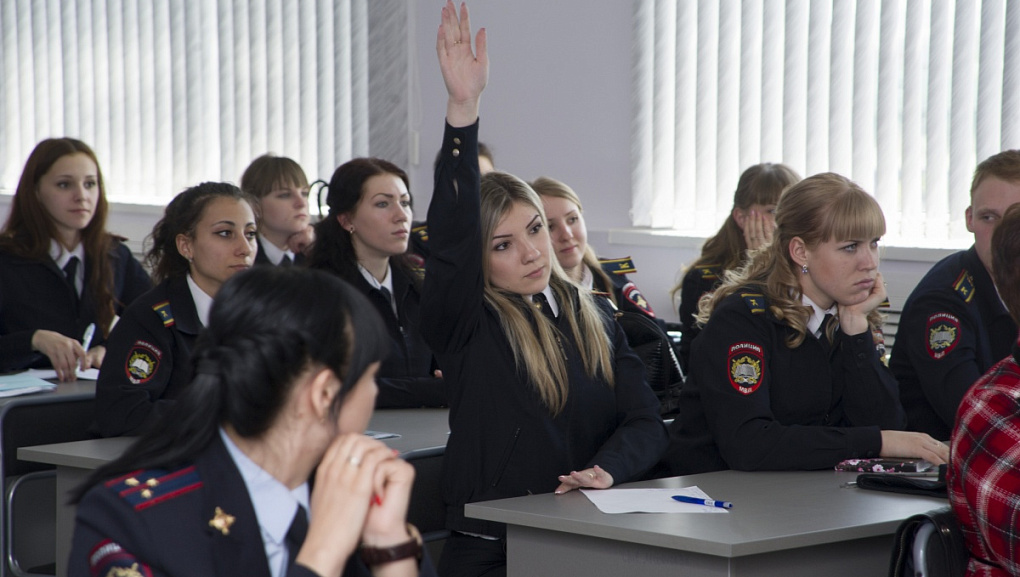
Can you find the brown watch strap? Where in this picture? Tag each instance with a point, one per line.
(380, 555)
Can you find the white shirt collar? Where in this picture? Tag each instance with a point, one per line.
(386, 283)
(587, 278)
(203, 302)
(272, 252)
(814, 323)
(274, 504)
(60, 256)
(551, 297)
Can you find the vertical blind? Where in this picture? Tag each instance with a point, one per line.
(903, 96)
(173, 92)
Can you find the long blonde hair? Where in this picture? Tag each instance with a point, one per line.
(553, 188)
(540, 353)
(819, 208)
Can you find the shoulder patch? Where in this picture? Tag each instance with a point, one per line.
(755, 302)
(165, 313)
(942, 334)
(964, 286)
(709, 271)
(143, 489)
(109, 559)
(746, 367)
(142, 362)
(618, 265)
(632, 294)
(421, 232)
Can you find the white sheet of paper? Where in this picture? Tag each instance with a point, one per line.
(648, 500)
(86, 375)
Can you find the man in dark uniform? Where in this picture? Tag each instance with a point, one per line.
(954, 325)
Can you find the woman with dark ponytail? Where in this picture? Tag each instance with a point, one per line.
(206, 235)
(364, 240)
(284, 386)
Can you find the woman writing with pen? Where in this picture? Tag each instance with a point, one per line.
(283, 388)
(206, 236)
(60, 270)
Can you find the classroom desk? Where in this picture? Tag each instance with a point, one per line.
(63, 414)
(782, 523)
(422, 442)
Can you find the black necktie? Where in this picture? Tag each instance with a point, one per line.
(543, 305)
(296, 535)
(824, 336)
(70, 273)
(285, 261)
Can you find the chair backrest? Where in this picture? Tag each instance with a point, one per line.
(929, 545)
(655, 349)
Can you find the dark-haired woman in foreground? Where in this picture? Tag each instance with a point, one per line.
(284, 386)
(206, 235)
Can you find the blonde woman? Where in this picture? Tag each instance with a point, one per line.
(534, 407)
(786, 373)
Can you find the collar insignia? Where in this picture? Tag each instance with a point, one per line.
(221, 521)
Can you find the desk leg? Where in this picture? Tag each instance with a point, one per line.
(67, 479)
(537, 552)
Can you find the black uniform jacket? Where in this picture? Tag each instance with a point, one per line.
(751, 403)
(35, 295)
(503, 440)
(698, 280)
(165, 529)
(147, 359)
(628, 297)
(954, 327)
(405, 378)
(261, 258)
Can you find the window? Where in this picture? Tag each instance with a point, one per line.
(904, 97)
(173, 92)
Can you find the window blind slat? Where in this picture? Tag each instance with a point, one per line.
(663, 143)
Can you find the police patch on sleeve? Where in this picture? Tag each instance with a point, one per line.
(746, 366)
(142, 362)
(108, 559)
(942, 333)
(631, 293)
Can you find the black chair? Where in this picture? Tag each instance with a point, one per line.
(929, 545)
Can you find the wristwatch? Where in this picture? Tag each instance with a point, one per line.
(380, 555)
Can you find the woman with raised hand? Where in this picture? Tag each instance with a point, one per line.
(60, 270)
(749, 226)
(206, 236)
(786, 373)
(364, 240)
(281, 188)
(542, 400)
(283, 388)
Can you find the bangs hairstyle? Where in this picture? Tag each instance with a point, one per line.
(821, 208)
(267, 326)
(1004, 166)
(268, 173)
(828, 207)
(533, 337)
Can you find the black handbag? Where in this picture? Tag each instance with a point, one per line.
(942, 553)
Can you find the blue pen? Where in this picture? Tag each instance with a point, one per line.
(700, 501)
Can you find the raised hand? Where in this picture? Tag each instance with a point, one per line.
(464, 72)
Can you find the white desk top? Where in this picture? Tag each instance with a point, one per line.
(772, 511)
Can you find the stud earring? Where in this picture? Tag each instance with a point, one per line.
(803, 269)
(352, 230)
